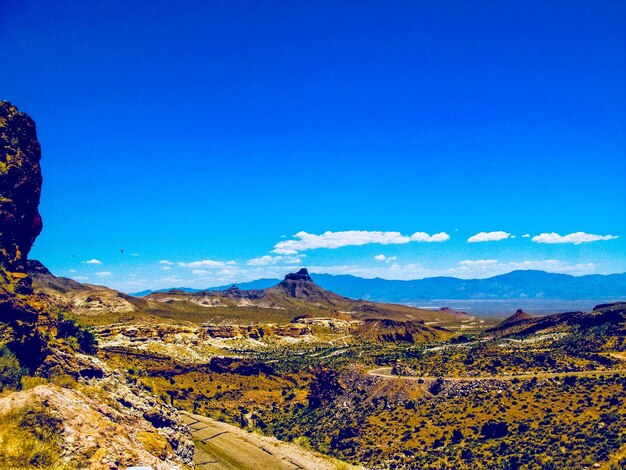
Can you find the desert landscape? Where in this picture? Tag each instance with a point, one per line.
(312, 235)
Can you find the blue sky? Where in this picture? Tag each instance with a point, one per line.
(203, 134)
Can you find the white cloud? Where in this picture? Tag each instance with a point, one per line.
(199, 272)
(387, 259)
(103, 274)
(424, 237)
(168, 281)
(231, 263)
(576, 238)
(526, 235)
(205, 263)
(478, 262)
(383, 271)
(72, 270)
(166, 262)
(166, 268)
(269, 260)
(488, 237)
(92, 261)
(308, 241)
(80, 278)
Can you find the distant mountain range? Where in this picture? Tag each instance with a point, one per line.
(514, 285)
(299, 295)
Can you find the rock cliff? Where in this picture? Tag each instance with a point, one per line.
(81, 413)
(20, 188)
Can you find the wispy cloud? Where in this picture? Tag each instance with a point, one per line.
(466, 269)
(306, 241)
(576, 238)
(488, 237)
(166, 262)
(92, 261)
(478, 262)
(205, 263)
(103, 274)
(270, 260)
(491, 267)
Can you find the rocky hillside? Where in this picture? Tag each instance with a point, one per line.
(522, 324)
(77, 298)
(390, 331)
(60, 406)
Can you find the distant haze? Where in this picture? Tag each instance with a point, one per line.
(534, 291)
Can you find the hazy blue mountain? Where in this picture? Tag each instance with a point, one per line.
(530, 285)
(148, 291)
(258, 284)
(514, 285)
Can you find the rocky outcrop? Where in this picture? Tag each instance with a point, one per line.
(230, 365)
(20, 188)
(126, 428)
(20, 224)
(300, 286)
(390, 331)
(518, 316)
(523, 324)
(104, 421)
(256, 331)
(455, 312)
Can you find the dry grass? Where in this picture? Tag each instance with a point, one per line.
(29, 438)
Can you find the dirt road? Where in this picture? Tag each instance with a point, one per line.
(386, 372)
(221, 446)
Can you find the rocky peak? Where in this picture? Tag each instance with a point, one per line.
(233, 290)
(300, 285)
(518, 316)
(35, 267)
(302, 275)
(20, 188)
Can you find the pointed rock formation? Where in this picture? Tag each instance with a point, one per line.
(300, 286)
(518, 316)
(20, 188)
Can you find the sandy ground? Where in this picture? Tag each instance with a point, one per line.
(221, 446)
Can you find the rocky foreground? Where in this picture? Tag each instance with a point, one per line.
(60, 407)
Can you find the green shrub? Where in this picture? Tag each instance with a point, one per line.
(11, 372)
(76, 337)
(303, 441)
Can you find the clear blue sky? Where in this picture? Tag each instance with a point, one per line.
(212, 131)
